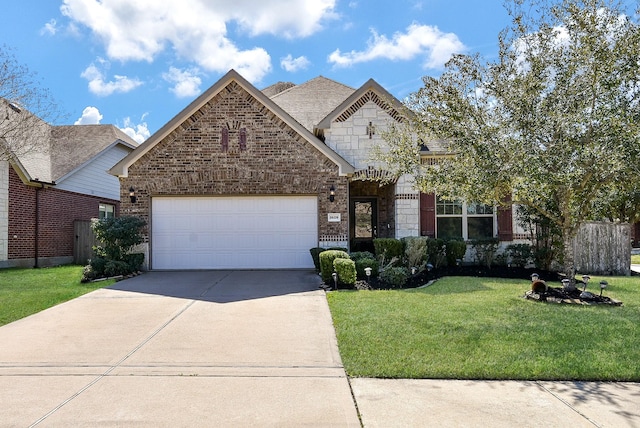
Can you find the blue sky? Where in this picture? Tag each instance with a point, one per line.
(137, 63)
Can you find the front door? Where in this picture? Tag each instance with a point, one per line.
(364, 223)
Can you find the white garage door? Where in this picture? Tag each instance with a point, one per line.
(261, 232)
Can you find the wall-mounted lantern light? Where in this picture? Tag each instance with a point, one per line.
(332, 193)
(132, 195)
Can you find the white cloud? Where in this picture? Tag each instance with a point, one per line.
(291, 64)
(90, 116)
(419, 40)
(139, 132)
(186, 82)
(197, 30)
(100, 87)
(50, 28)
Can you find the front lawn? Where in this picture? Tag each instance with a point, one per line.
(482, 328)
(26, 291)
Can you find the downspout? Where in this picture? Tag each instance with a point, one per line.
(36, 246)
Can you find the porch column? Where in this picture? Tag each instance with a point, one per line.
(407, 208)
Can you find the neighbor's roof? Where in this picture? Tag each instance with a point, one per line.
(75, 145)
(312, 101)
(122, 167)
(66, 149)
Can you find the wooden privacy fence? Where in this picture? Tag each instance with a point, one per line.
(84, 241)
(603, 249)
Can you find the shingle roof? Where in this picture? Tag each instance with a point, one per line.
(276, 88)
(312, 101)
(74, 145)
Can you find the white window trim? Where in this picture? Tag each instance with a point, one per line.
(104, 204)
(465, 216)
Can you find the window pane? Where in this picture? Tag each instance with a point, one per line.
(479, 209)
(448, 207)
(106, 211)
(449, 227)
(364, 224)
(480, 227)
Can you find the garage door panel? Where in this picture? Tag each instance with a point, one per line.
(233, 232)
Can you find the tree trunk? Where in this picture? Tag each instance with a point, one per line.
(569, 266)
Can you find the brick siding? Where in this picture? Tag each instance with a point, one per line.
(58, 210)
(195, 159)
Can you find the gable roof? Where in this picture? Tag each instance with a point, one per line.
(53, 152)
(75, 145)
(121, 168)
(311, 101)
(370, 91)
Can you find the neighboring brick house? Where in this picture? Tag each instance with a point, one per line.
(43, 192)
(244, 178)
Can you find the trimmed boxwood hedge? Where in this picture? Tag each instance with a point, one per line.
(346, 270)
(326, 263)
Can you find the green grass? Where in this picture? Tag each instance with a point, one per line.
(482, 328)
(26, 291)
(635, 259)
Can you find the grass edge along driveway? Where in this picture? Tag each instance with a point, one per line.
(24, 292)
(483, 328)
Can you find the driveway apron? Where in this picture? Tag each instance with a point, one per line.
(204, 348)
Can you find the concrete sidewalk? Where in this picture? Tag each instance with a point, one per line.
(179, 349)
(497, 404)
(238, 349)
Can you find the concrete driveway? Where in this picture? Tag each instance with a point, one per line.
(210, 348)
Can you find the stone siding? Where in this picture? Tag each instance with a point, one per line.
(407, 208)
(350, 138)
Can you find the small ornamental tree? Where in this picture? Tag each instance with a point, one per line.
(117, 237)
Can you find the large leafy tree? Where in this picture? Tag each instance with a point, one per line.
(553, 122)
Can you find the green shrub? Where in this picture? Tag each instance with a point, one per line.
(415, 251)
(485, 250)
(361, 264)
(396, 277)
(326, 263)
(116, 268)
(346, 270)
(436, 252)
(117, 237)
(315, 255)
(357, 255)
(455, 250)
(388, 248)
(134, 261)
(519, 255)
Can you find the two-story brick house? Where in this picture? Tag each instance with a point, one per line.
(244, 178)
(62, 179)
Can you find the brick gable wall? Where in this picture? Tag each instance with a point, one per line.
(207, 155)
(58, 210)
